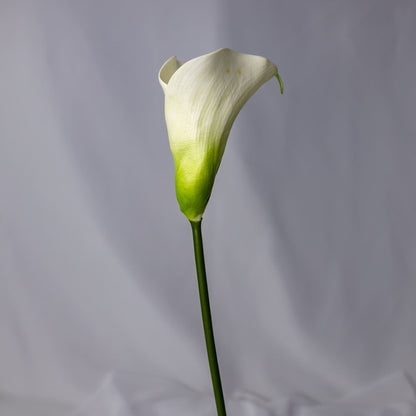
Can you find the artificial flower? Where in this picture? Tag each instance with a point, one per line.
(202, 99)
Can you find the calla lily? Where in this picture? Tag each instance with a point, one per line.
(202, 99)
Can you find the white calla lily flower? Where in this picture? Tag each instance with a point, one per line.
(202, 99)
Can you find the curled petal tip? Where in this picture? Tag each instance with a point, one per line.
(280, 82)
(167, 70)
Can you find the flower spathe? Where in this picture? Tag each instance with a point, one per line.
(202, 99)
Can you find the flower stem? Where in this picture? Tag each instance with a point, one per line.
(206, 317)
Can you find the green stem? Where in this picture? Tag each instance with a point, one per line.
(206, 317)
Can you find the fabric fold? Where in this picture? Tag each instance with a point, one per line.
(128, 394)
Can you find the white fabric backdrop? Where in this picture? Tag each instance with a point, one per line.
(310, 235)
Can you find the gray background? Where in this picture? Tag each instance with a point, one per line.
(310, 234)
